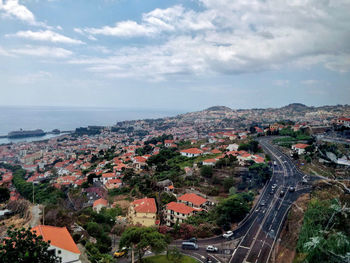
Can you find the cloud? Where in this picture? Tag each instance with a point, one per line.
(33, 77)
(42, 51)
(46, 35)
(281, 82)
(229, 37)
(14, 9)
(172, 19)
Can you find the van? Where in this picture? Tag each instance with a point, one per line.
(189, 245)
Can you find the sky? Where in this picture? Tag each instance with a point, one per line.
(180, 54)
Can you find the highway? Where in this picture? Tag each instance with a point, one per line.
(266, 221)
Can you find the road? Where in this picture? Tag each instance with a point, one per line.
(258, 232)
(264, 224)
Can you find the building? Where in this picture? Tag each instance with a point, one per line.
(299, 148)
(193, 200)
(192, 152)
(113, 183)
(178, 212)
(108, 176)
(143, 212)
(344, 122)
(99, 204)
(61, 242)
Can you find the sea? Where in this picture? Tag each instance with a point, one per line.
(13, 118)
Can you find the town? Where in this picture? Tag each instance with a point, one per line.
(196, 176)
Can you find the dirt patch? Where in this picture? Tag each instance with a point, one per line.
(284, 250)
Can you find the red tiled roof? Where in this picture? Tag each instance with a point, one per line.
(145, 205)
(100, 201)
(300, 145)
(59, 237)
(193, 198)
(180, 208)
(192, 151)
(108, 175)
(215, 151)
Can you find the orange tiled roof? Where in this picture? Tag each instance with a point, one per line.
(100, 201)
(192, 151)
(179, 208)
(300, 145)
(145, 205)
(59, 237)
(193, 198)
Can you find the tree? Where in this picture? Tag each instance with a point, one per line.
(206, 171)
(23, 245)
(4, 194)
(141, 238)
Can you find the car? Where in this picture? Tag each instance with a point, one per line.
(211, 248)
(228, 234)
(262, 203)
(282, 193)
(121, 252)
(291, 189)
(189, 245)
(272, 192)
(208, 260)
(192, 239)
(274, 186)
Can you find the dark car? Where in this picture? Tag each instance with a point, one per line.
(282, 193)
(291, 189)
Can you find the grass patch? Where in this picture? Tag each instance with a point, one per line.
(163, 259)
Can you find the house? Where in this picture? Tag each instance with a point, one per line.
(61, 242)
(193, 200)
(344, 122)
(113, 183)
(99, 204)
(232, 147)
(299, 148)
(143, 211)
(168, 143)
(191, 152)
(108, 176)
(178, 212)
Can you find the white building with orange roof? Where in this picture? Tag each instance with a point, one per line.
(61, 242)
(178, 212)
(191, 152)
(99, 204)
(194, 200)
(299, 148)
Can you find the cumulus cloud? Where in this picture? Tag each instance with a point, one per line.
(14, 9)
(46, 35)
(230, 37)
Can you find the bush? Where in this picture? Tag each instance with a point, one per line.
(206, 171)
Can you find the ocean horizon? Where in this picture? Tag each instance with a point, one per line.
(47, 118)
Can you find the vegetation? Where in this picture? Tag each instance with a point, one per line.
(22, 245)
(4, 194)
(251, 146)
(44, 193)
(325, 235)
(142, 238)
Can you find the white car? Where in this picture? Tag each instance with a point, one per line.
(212, 249)
(228, 234)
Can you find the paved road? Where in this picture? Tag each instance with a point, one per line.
(35, 216)
(266, 221)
